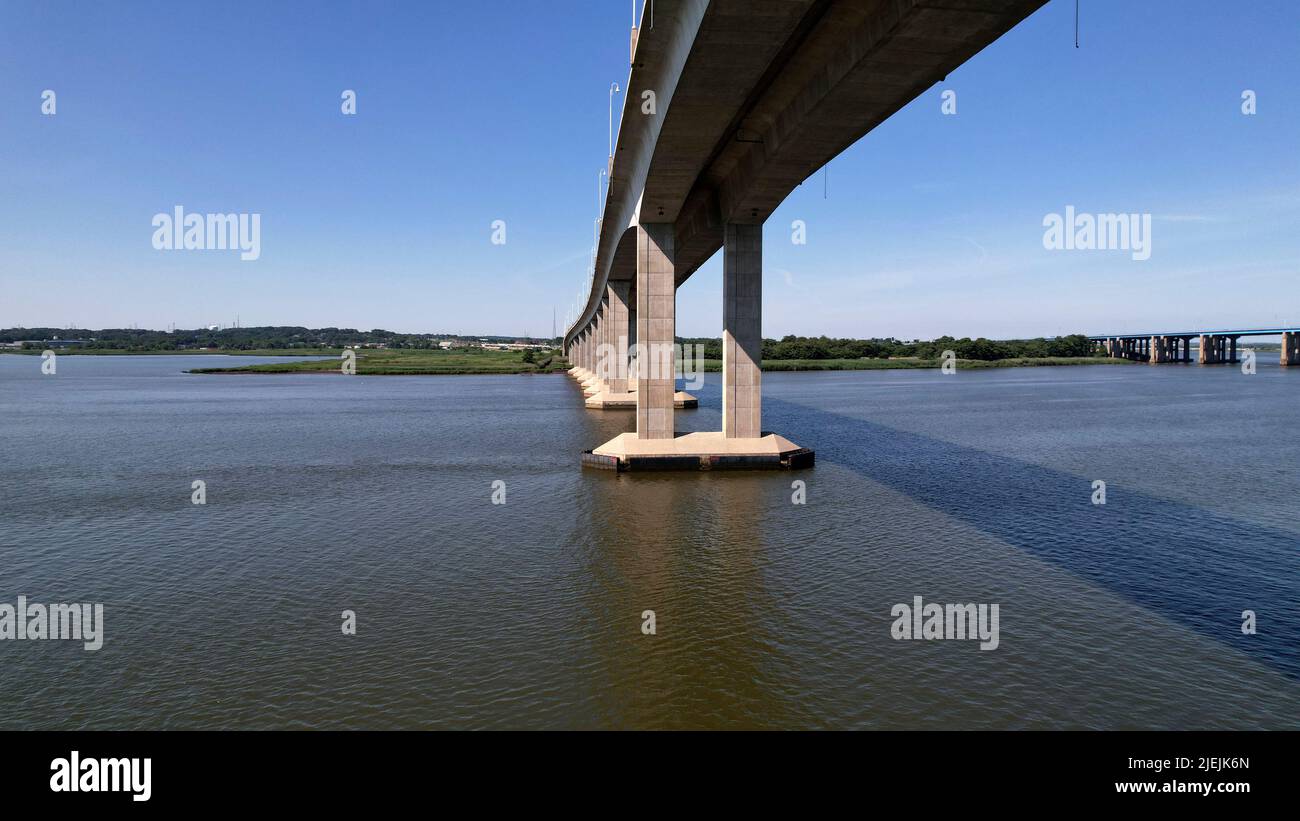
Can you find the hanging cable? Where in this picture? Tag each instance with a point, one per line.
(1076, 23)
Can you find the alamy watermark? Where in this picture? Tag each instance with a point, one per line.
(77, 774)
(657, 360)
(179, 231)
(945, 621)
(1098, 232)
(54, 622)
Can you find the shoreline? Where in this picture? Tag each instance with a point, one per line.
(393, 362)
(710, 366)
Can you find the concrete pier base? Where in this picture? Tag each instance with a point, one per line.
(609, 400)
(710, 450)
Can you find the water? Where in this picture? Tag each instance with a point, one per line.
(373, 494)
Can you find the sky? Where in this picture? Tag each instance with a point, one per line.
(468, 113)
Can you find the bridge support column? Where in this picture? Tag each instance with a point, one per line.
(591, 385)
(656, 326)
(741, 444)
(631, 344)
(616, 293)
(1166, 349)
(742, 331)
(1217, 349)
(604, 362)
(1290, 349)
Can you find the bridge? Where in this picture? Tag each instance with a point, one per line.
(729, 106)
(1213, 347)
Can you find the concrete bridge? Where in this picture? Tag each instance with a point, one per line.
(1213, 346)
(729, 106)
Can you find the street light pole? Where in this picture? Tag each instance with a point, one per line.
(613, 89)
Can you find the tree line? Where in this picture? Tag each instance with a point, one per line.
(290, 337)
(823, 347)
(237, 339)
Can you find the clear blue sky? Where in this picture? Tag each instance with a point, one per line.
(471, 112)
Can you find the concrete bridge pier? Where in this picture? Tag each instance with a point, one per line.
(1169, 349)
(612, 353)
(577, 356)
(656, 328)
(741, 443)
(1290, 349)
(593, 384)
(1139, 350)
(617, 293)
(1216, 348)
(1208, 350)
(742, 331)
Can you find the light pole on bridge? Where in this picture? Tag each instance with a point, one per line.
(613, 89)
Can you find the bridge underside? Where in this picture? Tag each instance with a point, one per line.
(753, 98)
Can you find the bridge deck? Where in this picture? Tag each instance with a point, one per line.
(1239, 332)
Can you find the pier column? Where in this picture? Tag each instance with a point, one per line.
(1290, 349)
(1154, 350)
(616, 294)
(1232, 349)
(631, 342)
(604, 362)
(1203, 353)
(742, 331)
(656, 326)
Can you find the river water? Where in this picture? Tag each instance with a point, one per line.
(328, 493)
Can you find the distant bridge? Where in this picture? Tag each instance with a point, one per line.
(1212, 346)
(730, 105)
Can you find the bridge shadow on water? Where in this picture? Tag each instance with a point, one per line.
(1196, 567)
